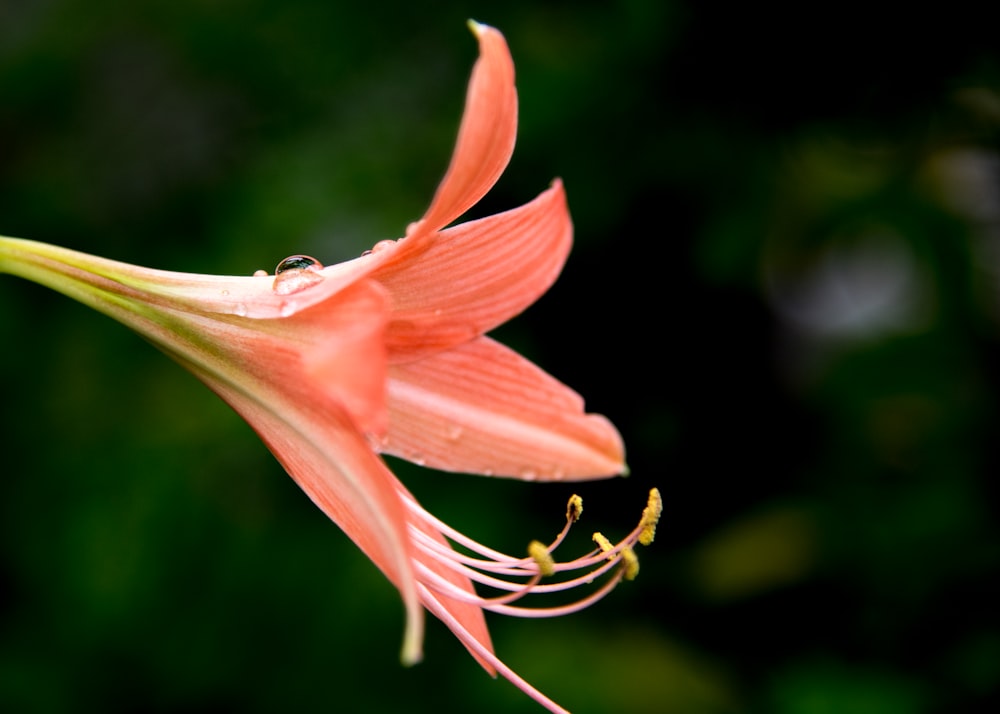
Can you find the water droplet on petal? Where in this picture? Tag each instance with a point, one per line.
(529, 475)
(260, 273)
(240, 310)
(297, 262)
(382, 245)
(455, 432)
(296, 273)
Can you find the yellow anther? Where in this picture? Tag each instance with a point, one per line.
(650, 517)
(604, 544)
(574, 509)
(631, 563)
(542, 557)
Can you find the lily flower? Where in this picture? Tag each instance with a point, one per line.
(387, 353)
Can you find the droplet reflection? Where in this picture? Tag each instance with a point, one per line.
(297, 262)
(296, 273)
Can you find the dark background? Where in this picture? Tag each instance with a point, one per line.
(784, 291)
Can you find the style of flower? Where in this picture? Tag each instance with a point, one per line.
(387, 353)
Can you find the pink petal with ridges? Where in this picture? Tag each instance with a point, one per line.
(475, 276)
(470, 617)
(485, 137)
(482, 408)
(319, 447)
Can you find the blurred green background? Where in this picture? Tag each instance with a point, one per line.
(784, 291)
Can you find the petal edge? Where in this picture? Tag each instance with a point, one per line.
(485, 137)
(475, 276)
(482, 408)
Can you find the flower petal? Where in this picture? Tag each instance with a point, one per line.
(237, 295)
(207, 323)
(277, 374)
(472, 630)
(319, 447)
(482, 408)
(482, 151)
(485, 137)
(475, 276)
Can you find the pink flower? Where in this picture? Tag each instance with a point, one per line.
(387, 352)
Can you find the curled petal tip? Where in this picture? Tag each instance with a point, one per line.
(409, 659)
(412, 652)
(485, 136)
(477, 28)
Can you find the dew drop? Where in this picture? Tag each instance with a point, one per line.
(260, 273)
(297, 262)
(455, 432)
(379, 247)
(225, 293)
(529, 475)
(240, 309)
(296, 273)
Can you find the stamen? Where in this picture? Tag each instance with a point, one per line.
(574, 509)
(542, 557)
(631, 562)
(433, 604)
(650, 517)
(514, 578)
(604, 544)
